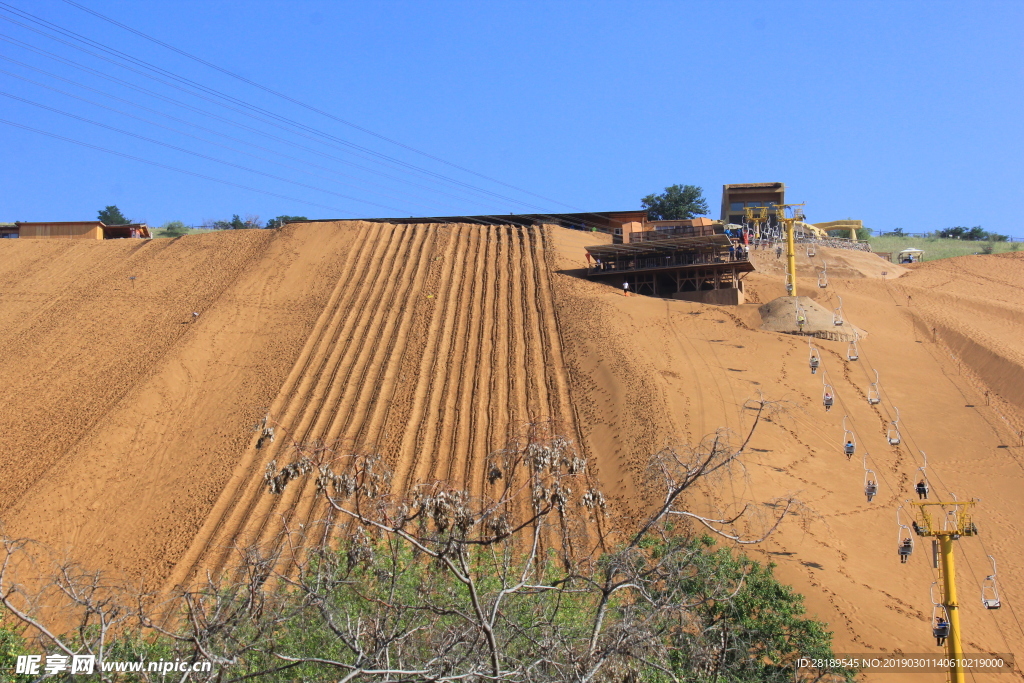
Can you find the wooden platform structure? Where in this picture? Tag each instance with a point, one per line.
(681, 266)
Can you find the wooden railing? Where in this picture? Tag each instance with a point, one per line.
(657, 262)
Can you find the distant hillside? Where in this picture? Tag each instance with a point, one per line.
(935, 248)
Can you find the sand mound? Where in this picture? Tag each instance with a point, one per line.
(781, 315)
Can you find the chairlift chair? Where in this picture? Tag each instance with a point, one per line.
(940, 616)
(852, 353)
(990, 590)
(905, 543)
(810, 251)
(874, 398)
(837, 314)
(940, 623)
(815, 360)
(827, 398)
(849, 441)
(922, 487)
(823, 278)
(870, 484)
(893, 435)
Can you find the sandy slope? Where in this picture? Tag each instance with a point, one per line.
(437, 342)
(128, 434)
(649, 369)
(121, 421)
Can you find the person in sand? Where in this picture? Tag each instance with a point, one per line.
(625, 288)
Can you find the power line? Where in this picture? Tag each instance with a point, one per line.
(204, 112)
(181, 132)
(188, 151)
(378, 156)
(264, 112)
(304, 105)
(166, 166)
(405, 166)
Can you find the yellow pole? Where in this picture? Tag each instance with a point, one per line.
(954, 646)
(791, 255)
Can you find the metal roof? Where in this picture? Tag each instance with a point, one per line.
(656, 246)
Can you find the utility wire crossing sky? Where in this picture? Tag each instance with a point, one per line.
(903, 115)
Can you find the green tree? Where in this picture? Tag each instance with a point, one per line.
(112, 215)
(236, 223)
(174, 229)
(975, 234)
(678, 202)
(281, 220)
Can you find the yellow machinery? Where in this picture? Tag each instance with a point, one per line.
(789, 215)
(757, 216)
(950, 522)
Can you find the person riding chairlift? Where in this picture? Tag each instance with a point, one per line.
(905, 549)
(827, 401)
(849, 448)
(941, 630)
(922, 489)
(814, 361)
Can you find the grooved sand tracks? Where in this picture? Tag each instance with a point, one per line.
(436, 342)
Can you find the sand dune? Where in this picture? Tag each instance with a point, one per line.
(129, 432)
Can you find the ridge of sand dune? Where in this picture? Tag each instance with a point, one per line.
(129, 434)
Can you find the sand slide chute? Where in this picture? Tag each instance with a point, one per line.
(447, 345)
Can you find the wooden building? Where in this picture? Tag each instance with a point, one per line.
(89, 230)
(699, 263)
(737, 197)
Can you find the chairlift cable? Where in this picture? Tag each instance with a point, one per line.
(965, 555)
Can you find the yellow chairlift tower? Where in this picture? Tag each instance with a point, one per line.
(789, 215)
(952, 521)
(757, 216)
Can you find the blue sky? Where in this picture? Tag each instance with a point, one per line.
(900, 113)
